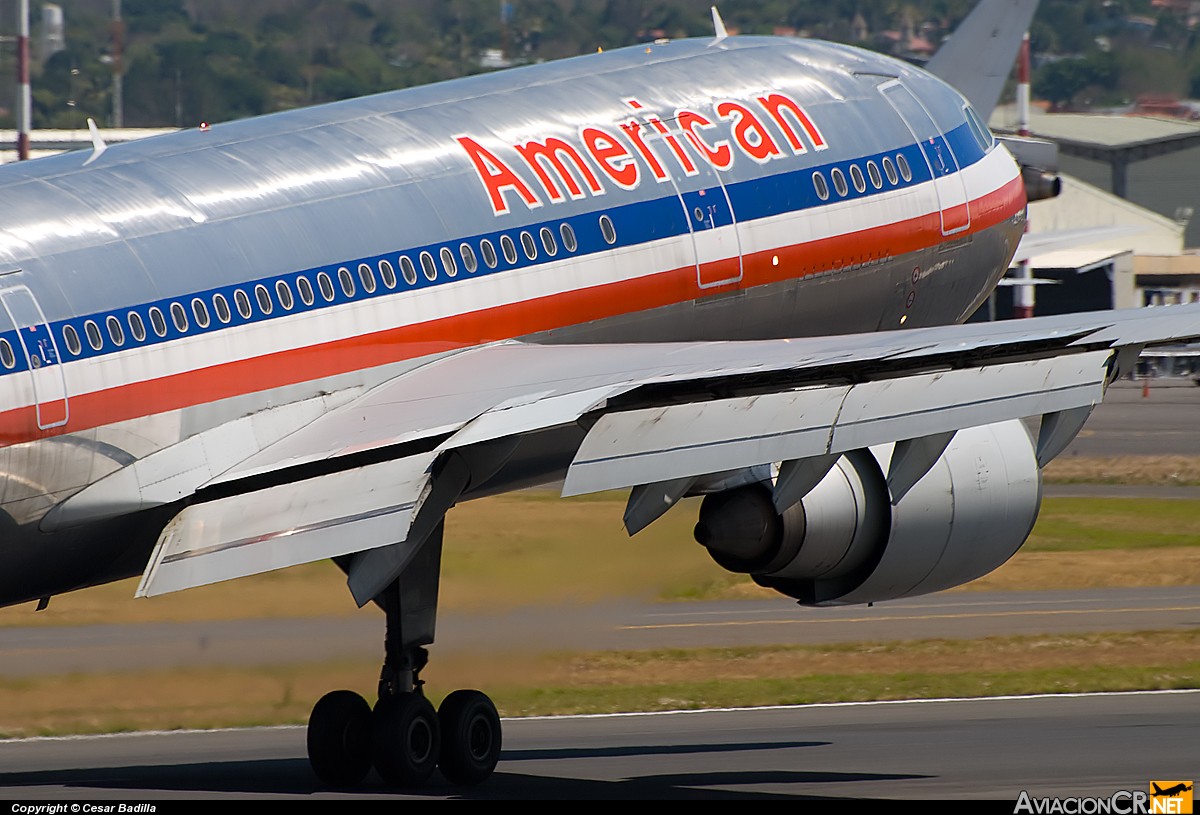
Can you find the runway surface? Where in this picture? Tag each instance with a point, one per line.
(1128, 424)
(1092, 745)
(615, 625)
(989, 749)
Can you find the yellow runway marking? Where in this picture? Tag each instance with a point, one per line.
(898, 618)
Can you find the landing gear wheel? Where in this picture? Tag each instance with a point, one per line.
(470, 737)
(405, 740)
(339, 738)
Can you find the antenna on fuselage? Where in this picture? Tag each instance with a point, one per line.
(718, 26)
(98, 145)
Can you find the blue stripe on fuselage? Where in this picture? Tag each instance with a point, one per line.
(635, 223)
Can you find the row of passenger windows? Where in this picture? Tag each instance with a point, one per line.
(856, 177)
(198, 310)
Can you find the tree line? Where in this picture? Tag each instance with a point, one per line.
(188, 61)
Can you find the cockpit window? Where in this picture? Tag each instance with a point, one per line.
(978, 129)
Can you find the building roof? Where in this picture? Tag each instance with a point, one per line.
(1081, 260)
(1101, 130)
(1082, 205)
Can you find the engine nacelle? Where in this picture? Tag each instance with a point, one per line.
(1040, 185)
(846, 543)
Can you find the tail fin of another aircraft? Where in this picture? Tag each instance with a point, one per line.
(979, 55)
(718, 26)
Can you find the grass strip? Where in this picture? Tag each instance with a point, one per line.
(541, 684)
(1172, 471)
(532, 548)
(1094, 524)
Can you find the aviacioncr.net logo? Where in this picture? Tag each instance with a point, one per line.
(1163, 798)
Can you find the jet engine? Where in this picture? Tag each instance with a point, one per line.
(847, 542)
(1038, 160)
(1039, 184)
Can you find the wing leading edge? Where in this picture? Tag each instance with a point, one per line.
(372, 478)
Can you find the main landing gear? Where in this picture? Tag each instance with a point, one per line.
(403, 738)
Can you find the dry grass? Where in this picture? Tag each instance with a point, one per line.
(1037, 571)
(928, 656)
(1157, 470)
(526, 684)
(532, 548)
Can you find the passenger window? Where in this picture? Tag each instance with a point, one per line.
(608, 230)
(136, 327)
(448, 263)
(367, 277)
(200, 312)
(387, 273)
(902, 163)
(427, 267)
(306, 290)
(157, 321)
(179, 317)
(115, 332)
(221, 306)
(242, 301)
(820, 186)
(468, 258)
(284, 293)
(527, 243)
(567, 233)
(6, 354)
(873, 172)
(489, 253)
(325, 283)
(509, 248)
(347, 281)
(93, 334)
(548, 242)
(264, 299)
(408, 270)
(839, 181)
(72, 339)
(889, 170)
(856, 176)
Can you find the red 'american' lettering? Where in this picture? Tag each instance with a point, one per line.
(644, 146)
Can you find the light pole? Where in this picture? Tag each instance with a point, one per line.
(118, 47)
(24, 96)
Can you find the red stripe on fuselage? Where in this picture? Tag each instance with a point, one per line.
(532, 316)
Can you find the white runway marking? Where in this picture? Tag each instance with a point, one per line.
(633, 714)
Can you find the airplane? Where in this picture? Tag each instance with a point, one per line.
(733, 266)
(1170, 791)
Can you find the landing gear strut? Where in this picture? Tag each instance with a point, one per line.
(403, 738)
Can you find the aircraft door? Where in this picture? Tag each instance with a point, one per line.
(706, 208)
(939, 156)
(36, 343)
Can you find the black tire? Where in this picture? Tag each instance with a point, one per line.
(339, 738)
(470, 737)
(405, 739)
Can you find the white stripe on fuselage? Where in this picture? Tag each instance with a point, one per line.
(475, 294)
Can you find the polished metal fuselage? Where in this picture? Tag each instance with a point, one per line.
(204, 215)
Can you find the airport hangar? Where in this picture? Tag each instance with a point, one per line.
(1155, 162)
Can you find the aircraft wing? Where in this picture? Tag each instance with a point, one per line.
(373, 477)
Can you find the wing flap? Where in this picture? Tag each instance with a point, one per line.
(287, 525)
(178, 470)
(676, 441)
